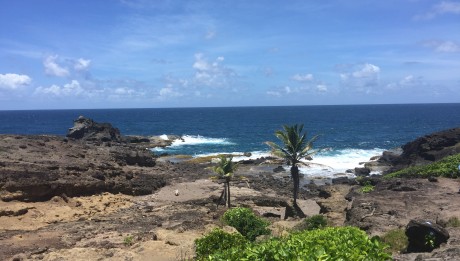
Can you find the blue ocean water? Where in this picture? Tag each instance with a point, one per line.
(349, 133)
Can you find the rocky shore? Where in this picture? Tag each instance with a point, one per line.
(99, 195)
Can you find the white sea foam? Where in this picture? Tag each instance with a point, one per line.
(198, 140)
(328, 163)
(164, 137)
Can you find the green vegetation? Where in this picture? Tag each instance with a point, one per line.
(453, 222)
(396, 239)
(295, 147)
(367, 188)
(128, 241)
(314, 222)
(246, 222)
(447, 167)
(225, 169)
(332, 243)
(218, 241)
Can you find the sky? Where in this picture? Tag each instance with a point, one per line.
(57, 54)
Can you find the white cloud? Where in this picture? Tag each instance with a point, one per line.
(321, 88)
(445, 7)
(406, 82)
(54, 69)
(82, 64)
(211, 74)
(302, 78)
(443, 46)
(13, 81)
(169, 91)
(70, 89)
(361, 77)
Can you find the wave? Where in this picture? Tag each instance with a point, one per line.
(199, 140)
(187, 144)
(331, 162)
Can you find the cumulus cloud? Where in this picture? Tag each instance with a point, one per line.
(11, 81)
(443, 46)
(169, 91)
(361, 77)
(53, 68)
(302, 77)
(321, 88)
(82, 64)
(445, 7)
(212, 74)
(406, 82)
(70, 89)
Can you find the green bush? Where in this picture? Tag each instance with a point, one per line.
(447, 167)
(367, 188)
(246, 222)
(332, 243)
(453, 222)
(311, 223)
(396, 239)
(218, 241)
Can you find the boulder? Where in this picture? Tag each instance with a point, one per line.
(87, 129)
(424, 235)
(362, 171)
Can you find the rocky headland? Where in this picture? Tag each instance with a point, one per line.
(99, 195)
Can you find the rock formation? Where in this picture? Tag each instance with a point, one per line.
(87, 129)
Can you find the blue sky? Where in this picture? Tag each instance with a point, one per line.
(58, 54)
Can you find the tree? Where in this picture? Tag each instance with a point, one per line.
(225, 169)
(296, 147)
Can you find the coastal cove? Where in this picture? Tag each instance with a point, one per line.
(349, 134)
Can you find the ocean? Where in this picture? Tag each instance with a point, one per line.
(349, 134)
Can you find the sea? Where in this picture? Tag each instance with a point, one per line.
(348, 134)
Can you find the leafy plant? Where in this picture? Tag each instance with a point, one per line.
(332, 243)
(218, 241)
(367, 188)
(430, 240)
(311, 223)
(396, 239)
(447, 167)
(246, 222)
(128, 241)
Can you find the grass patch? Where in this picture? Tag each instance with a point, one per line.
(453, 222)
(447, 167)
(367, 188)
(396, 239)
(128, 241)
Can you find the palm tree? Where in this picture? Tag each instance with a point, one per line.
(295, 148)
(225, 169)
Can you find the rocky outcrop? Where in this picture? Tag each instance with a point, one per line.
(87, 129)
(36, 168)
(430, 148)
(422, 151)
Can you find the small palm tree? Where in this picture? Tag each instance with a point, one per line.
(225, 169)
(296, 147)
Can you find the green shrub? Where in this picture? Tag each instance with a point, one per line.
(453, 222)
(367, 188)
(246, 222)
(128, 240)
(447, 167)
(332, 243)
(396, 239)
(218, 241)
(311, 223)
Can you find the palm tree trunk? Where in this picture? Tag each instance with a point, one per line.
(295, 178)
(228, 194)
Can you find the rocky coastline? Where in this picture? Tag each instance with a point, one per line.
(96, 194)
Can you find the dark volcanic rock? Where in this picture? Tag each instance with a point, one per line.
(429, 148)
(424, 236)
(87, 129)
